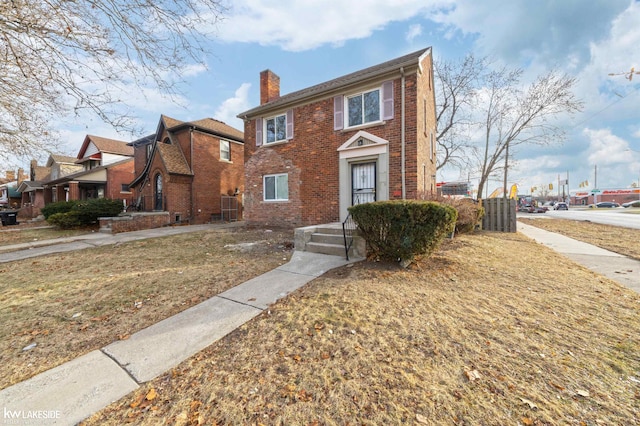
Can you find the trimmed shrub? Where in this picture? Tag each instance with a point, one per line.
(83, 213)
(57, 207)
(90, 210)
(401, 230)
(65, 220)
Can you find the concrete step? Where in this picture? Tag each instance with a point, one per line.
(320, 237)
(322, 248)
(332, 230)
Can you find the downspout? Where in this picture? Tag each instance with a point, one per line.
(402, 136)
(193, 177)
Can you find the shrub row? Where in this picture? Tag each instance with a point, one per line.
(72, 214)
(401, 230)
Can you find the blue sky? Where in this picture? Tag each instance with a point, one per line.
(309, 42)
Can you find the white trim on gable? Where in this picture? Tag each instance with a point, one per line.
(361, 144)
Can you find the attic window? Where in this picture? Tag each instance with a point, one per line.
(167, 141)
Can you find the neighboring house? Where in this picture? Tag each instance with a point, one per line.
(105, 165)
(32, 190)
(185, 168)
(366, 136)
(9, 195)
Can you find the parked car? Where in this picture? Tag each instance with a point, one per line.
(635, 203)
(604, 205)
(561, 206)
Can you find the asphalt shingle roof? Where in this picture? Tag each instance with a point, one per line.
(340, 82)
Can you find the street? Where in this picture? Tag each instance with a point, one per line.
(628, 218)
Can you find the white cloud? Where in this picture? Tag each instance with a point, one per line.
(299, 26)
(230, 107)
(414, 31)
(606, 148)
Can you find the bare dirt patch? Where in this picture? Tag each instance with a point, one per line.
(58, 307)
(494, 329)
(18, 234)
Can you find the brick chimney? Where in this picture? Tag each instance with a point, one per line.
(269, 87)
(22, 176)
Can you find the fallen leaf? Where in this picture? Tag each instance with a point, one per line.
(557, 386)
(137, 401)
(151, 395)
(318, 326)
(529, 403)
(325, 355)
(123, 336)
(297, 358)
(582, 393)
(527, 421)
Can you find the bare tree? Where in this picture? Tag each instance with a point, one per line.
(71, 56)
(514, 117)
(457, 84)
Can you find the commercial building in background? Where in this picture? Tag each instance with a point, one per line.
(586, 197)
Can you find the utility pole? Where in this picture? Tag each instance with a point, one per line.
(595, 183)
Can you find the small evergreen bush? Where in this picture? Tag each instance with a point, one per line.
(73, 214)
(65, 220)
(57, 207)
(401, 230)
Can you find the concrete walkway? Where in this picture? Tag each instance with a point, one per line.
(617, 267)
(75, 390)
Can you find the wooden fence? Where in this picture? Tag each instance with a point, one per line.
(499, 215)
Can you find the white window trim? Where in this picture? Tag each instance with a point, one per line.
(222, 142)
(264, 127)
(361, 93)
(264, 187)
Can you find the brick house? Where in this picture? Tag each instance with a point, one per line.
(186, 168)
(106, 168)
(32, 190)
(365, 136)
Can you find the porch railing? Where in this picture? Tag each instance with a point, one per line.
(348, 229)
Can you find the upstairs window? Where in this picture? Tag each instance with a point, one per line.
(225, 150)
(276, 129)
(363, 108)
(368, 107)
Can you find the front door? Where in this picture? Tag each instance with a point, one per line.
(363, 183)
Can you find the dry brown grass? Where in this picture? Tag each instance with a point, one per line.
(72, 303)
(21, 234)
(492, 330)
(625, 241)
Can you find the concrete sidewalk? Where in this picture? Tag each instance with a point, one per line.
(75, 390)
(621, 269)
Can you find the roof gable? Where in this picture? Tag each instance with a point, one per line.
(111, 146)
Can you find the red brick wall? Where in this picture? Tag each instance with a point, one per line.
(312, 161)
(134, 222)
(118, 175)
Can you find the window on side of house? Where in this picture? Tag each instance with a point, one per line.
(276, 128)
(363, 108)
(225, 150)
(276, 187)
(125, 188)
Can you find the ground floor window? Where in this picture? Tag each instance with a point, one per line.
(276, 187)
